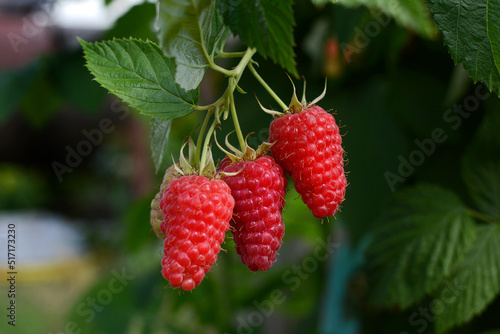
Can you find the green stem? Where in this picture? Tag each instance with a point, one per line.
(203, 159)
(244, 62)
(222, 100)
(227, 99)
(266, 86)
(234, 115)
(235, 73)
(481, 216)
(200, 135)
(230, 54)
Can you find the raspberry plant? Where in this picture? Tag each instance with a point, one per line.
(163, 82)
(427, 236)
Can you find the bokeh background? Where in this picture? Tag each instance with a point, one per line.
(87, 259)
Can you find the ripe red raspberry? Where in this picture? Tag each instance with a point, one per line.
(307, 144)
(156, 213)
(197, 213)
(257, 226)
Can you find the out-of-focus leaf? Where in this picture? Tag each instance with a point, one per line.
(41, 101)
(74, 82)
(13, 85)
(481, 166)
(411, 14)
(137, 222)
(138, 22)
(476, 282)
(423, 236)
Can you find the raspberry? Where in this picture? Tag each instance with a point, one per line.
(308, 147)
(156, 213)
(197, 213)
(257, 226)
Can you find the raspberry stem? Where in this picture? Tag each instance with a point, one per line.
(266, 86)
(203, 160)
(234, 115)
(234, 74)
(230, 54)
(227, 99)
(200, 135)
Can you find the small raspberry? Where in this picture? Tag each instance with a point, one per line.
(197, 213)
(156, 213)
(307, 145)
(257, 226)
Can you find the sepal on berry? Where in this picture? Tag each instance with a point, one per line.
(235, 155)
(295, 106)
(188, 166)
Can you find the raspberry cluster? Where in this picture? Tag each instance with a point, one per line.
(192, 213)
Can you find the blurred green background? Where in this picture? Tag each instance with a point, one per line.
(103, 275)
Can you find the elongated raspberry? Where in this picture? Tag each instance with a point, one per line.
(257, 226)
(197, 213)
(308, 146)
(156, 213)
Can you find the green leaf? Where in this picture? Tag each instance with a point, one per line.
(481, 167)
(493, 20)
(412, 14)
(160, 131)
(474, 284)
(264, 24)
(424, 235)
(471, 31)
(186, 27)
(137, 72)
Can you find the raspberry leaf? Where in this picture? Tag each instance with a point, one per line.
(475, 283)
(264, 24)
(471, 30)
(137, 72)
(423, 236)
(412, 14)
(186, 27)
(481, 167)
(160, 131)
